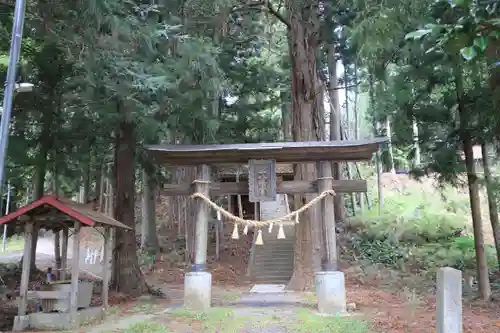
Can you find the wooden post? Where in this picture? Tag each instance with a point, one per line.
(25, 275)
(202, 217)
(106, 267)
(327, 216)
(64, 254)
(74, 275)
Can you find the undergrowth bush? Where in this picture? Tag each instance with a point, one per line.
(421, 228)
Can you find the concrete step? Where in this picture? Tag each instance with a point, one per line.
(275, 246)
(274, 276)
(272, 255)
(281, 268)
(273, 279)
(276, 259)
(275, 252)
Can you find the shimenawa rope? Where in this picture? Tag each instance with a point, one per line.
(284, 220)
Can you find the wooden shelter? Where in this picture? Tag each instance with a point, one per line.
(58, 214)
(271, 154)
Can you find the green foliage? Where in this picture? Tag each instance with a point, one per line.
(307, 321)
(458, 253)
(147, 327)
(419, 230)
(461, 25)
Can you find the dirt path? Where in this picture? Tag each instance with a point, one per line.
(389, 312)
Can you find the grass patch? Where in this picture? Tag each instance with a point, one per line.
(147, 327)
(14, 244)
(222, 320)
(308, 322)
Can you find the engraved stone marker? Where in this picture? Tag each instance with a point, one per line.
(449, 301)
(261, 180)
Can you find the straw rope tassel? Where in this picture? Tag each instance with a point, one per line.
(271, 227)
(235, 232)
(297, 218)
(245, 230)
(259, 240)
(281, 232)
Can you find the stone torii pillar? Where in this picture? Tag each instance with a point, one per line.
(198, 282)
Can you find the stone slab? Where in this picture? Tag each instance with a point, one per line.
(198, 290)
(21, 323)
(268, 288)
(330, 290)
(62, 321)
(269, 300)
(449, 301)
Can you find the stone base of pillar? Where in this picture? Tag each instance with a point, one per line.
(330, 291)
(198, 290)
(21, 323)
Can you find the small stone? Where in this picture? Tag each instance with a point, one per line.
(351, 307)
(146, 298)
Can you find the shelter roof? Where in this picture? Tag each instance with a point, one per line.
(50, 212)
(284, 152)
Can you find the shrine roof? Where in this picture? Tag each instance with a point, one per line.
(284, 152)
(51, 212)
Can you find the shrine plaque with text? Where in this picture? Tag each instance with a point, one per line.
(261, 180)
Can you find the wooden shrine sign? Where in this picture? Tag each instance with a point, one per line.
(261, 180)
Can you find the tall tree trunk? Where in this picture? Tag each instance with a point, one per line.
(335, 126)
(416, 144)
(41, 170)
(475, 205)
(306, 126)
(286, 120)
(86, 179)
(149, 239)
(492, 200)
(57, 234)
(100, 187)
(348, 135)
(128, 275)
(389, 144)
(356, 129)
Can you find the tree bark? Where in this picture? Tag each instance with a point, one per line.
(86, 179)
(306, 126)
(335, 126)
(416, 145)
(286, 121)
(41, 170)
(389, 144)
(475, 205)
(128, 277)
(149, 239)
(492, 200)
(57, 234)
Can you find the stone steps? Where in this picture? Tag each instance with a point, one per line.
(273, 261)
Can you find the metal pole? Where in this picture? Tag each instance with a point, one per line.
(4, 238)
(10, 81)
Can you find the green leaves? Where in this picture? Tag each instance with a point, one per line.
(481, 43)
(461, 3)
(418, 34)
(468, 53)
